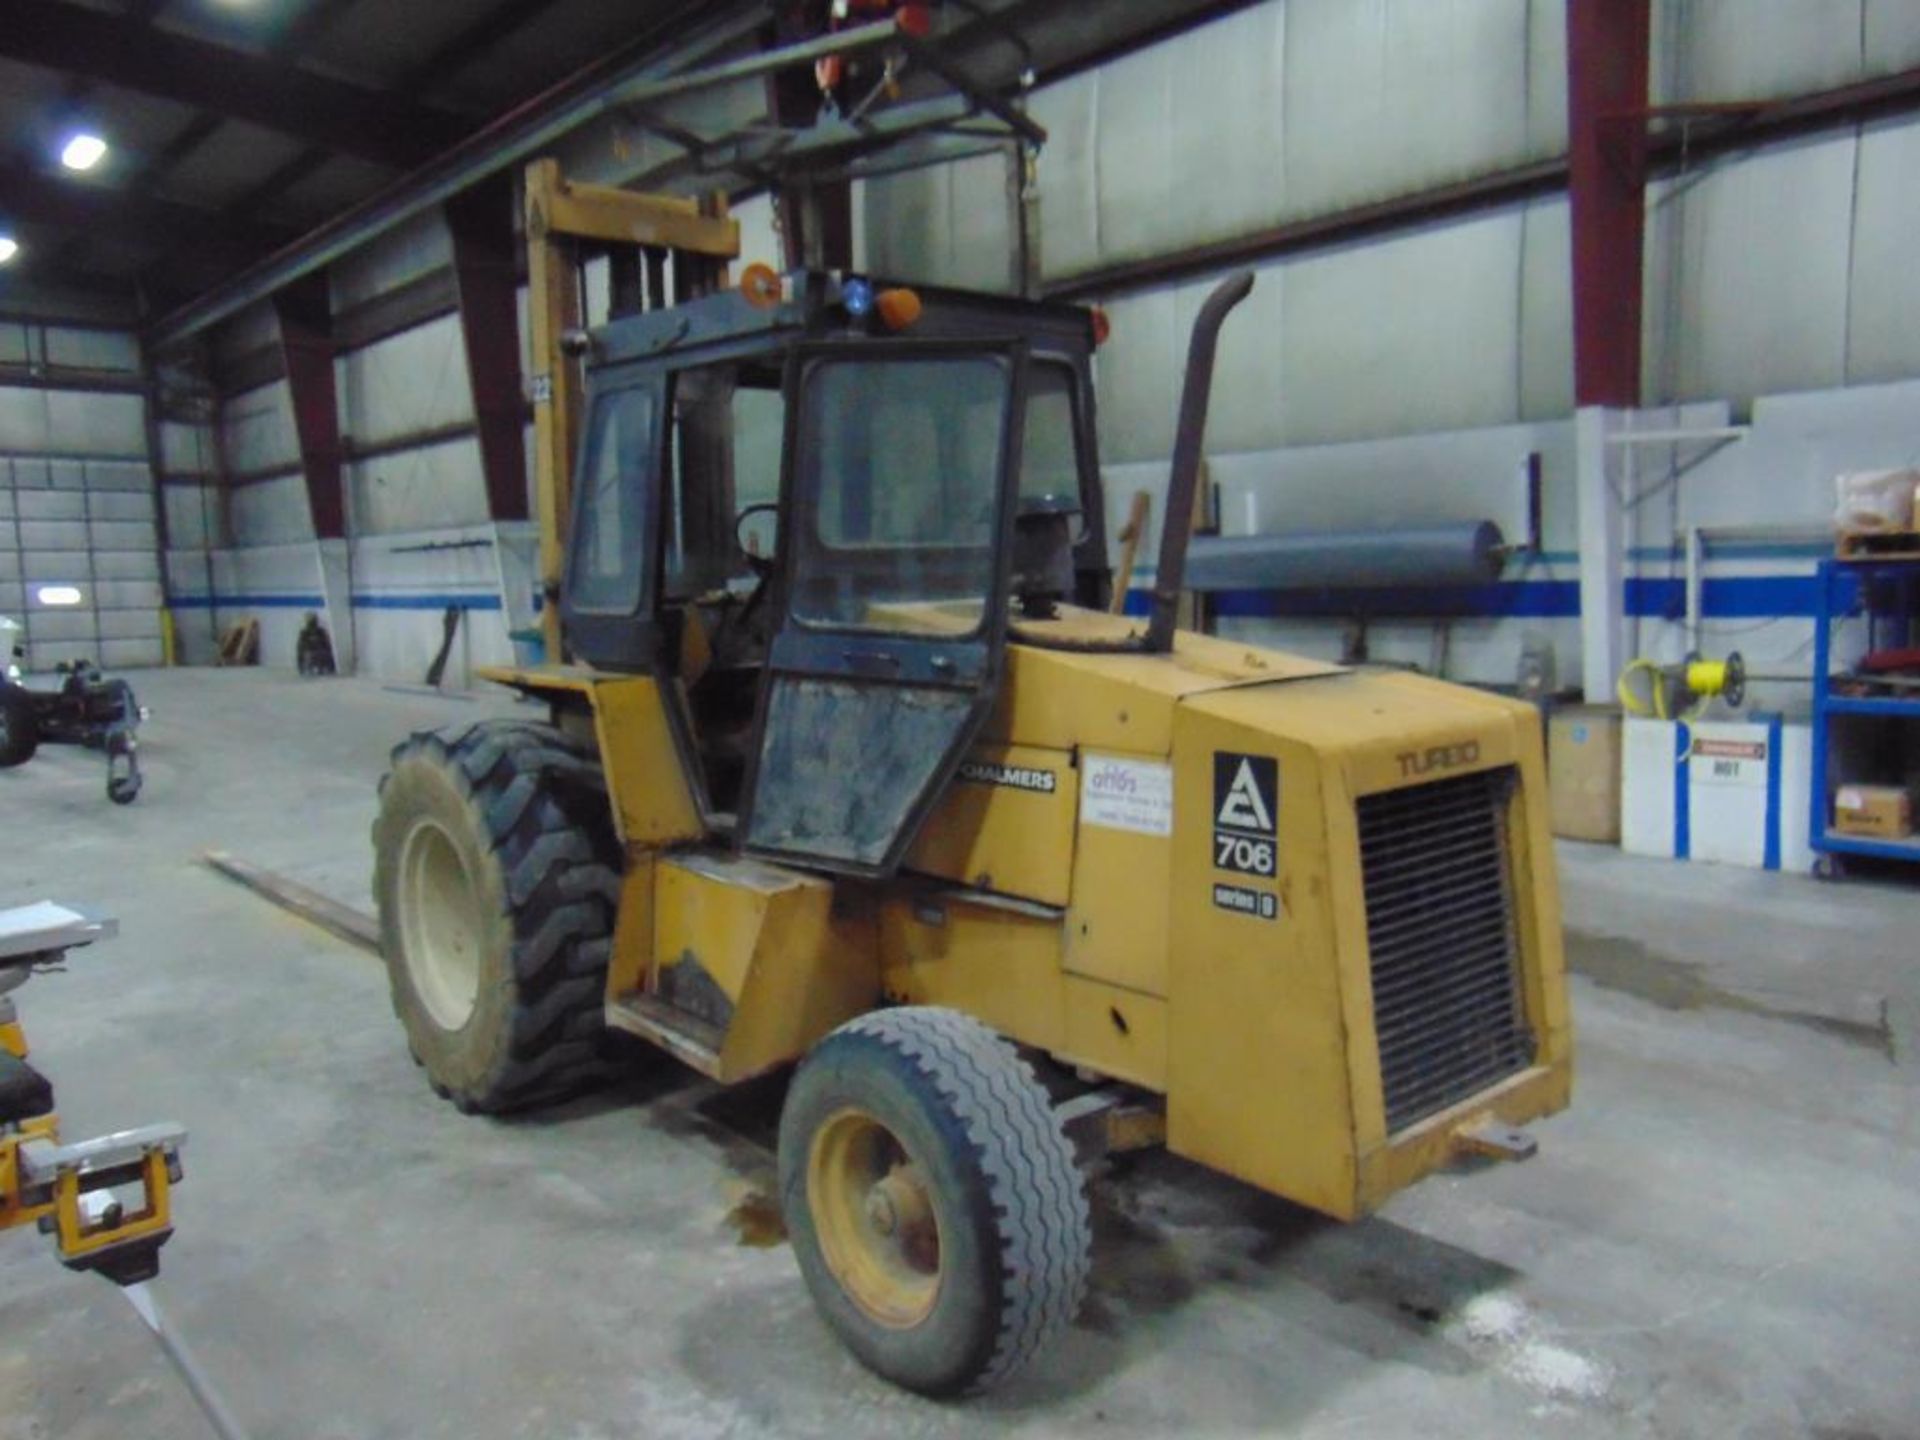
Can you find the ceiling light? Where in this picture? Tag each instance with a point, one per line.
(83, 151)
(58, 595)
(9, 247)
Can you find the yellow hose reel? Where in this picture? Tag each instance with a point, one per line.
(1681, 692)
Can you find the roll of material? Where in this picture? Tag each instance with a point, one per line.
(1471, 553)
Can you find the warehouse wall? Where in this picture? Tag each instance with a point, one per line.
(1408, 376)
(76, 501)
(422, 538)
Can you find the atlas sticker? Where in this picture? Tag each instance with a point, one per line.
(1246, 807)
(1013, 777)
(1260, 904)
(1122, 794)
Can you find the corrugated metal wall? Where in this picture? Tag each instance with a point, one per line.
(76, 505)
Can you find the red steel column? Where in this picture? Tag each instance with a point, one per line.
(486, 272)
(305, 312)
(1606, 135)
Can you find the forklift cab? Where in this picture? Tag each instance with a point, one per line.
(802, 519)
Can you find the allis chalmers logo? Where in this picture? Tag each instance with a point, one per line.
(1438, 757)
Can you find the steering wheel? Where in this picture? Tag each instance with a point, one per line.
(761, 565)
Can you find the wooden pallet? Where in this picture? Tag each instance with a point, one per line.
(1878, 545)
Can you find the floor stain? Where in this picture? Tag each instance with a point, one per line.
(756, 1220)
(1633, 969)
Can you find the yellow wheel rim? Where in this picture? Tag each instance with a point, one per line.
(874, 1217)
(440, 925)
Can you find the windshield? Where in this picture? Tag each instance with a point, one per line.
(900, 465)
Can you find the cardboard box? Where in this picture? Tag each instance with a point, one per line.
(1884, 812)
(1583, 772)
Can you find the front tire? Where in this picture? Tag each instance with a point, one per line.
(935, 1208)
(494, 871)
(19, 731)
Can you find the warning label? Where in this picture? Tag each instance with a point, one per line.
(1739, 763)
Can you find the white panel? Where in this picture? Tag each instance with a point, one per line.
(1415, 333)
(41, 567)
(53, 534)
(1892, 36)
(121, 505)
(17, 342)
(758, 239)
(130, 624)
(142, 565)
(69, 625)
(259, 429)
(51, 505)
(1385, 96)
(1647, 787)
(1546, 77)
(250, 330)
(93, 349)
(406, 253)
(122, 534)
(1753, 298)
(131, 654)
(1747, 49)
(188, 449)
(96, 424)
(192, 512)
(414, 381)
(419, 489)
(23, 420)
(121, 477)
(950, 225)
(1546, 311)
(1136, 374)
(271, 512)
(1069, 199)
(1883, 331)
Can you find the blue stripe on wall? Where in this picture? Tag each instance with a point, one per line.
(1734, 597)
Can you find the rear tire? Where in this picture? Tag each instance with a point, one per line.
(19, 731)
(935, 1207)
(495, 871)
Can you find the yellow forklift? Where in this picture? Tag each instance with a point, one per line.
(849, 765)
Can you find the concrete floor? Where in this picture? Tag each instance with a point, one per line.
(1721, 1238)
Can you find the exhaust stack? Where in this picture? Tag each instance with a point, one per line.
(1177, 528)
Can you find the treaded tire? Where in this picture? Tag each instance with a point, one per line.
(19, 731)
(514, 816)
(1011, 1207)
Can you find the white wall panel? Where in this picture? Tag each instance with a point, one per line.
(192, 515)
(1385, 96)
(419, 489)
(951, 224)
(1752, 297)
(92, 349)
(1546, 311)
(187, 449)
(402, 254)
(271, 512)
(1883, 317)
(411, 382)
(259, 429)
(1748, 49)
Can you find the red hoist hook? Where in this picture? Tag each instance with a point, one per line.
(914, 19)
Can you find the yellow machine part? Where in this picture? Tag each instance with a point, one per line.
(652, 802)
(1065, 891)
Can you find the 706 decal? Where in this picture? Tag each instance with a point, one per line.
(1242, 854)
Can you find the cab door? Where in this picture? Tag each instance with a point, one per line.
(900, 472)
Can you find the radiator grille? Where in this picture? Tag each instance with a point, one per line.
(1446, 988)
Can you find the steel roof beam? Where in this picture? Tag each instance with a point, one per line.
(384, 128)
